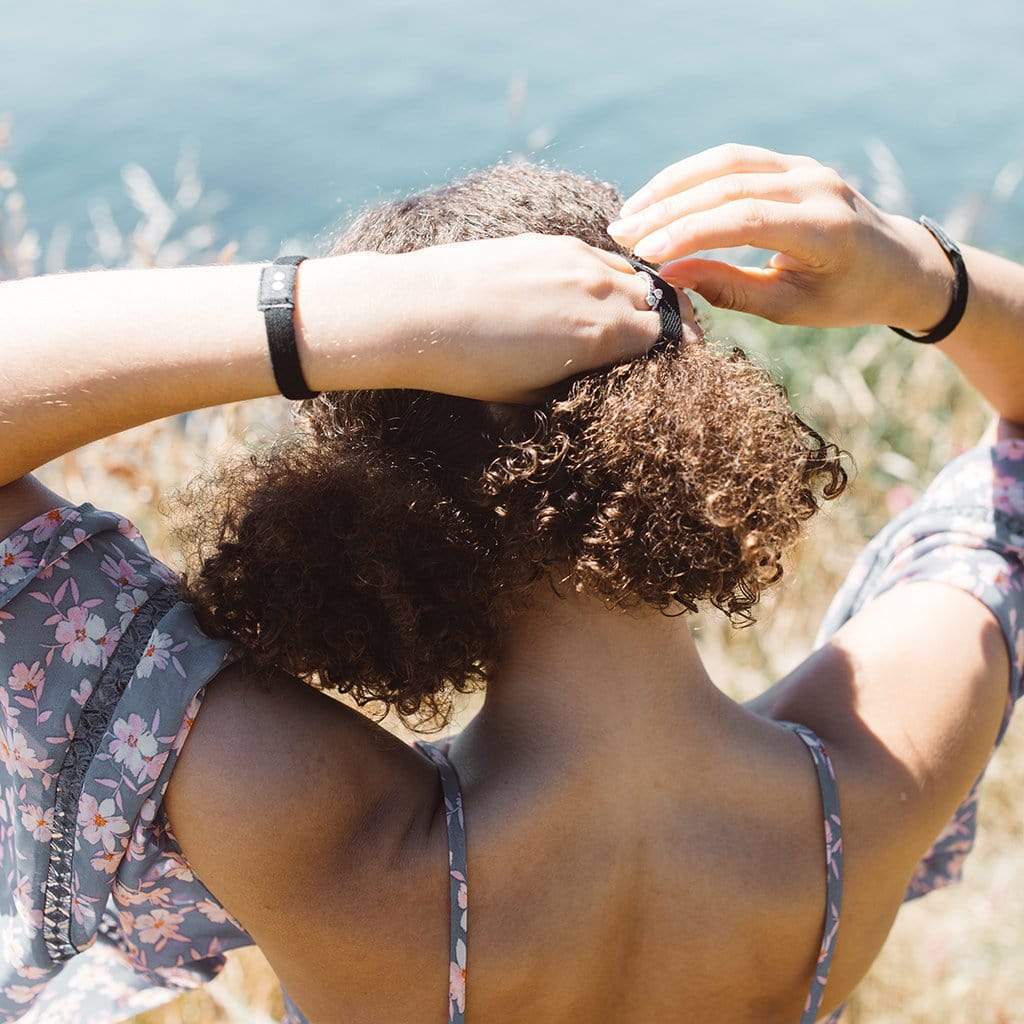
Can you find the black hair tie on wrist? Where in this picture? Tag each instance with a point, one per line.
(662, 298)
(961, 284)
(277, 302)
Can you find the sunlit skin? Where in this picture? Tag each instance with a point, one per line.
(619, 804)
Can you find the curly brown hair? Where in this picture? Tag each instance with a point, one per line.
(380, 548)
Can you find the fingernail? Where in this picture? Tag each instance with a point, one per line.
(674, 277)
(637, 201)
(653, 246)
(624, 227)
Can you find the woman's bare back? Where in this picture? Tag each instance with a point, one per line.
(635, 892)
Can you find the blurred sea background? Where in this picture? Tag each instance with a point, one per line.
(298, 113)
(156, 134)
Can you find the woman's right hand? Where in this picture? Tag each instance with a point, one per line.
(839, 261)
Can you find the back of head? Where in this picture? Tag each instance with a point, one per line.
(381, 548)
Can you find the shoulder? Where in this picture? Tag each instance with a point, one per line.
(81, 593)
(947, 653)
(44, 536)
(306, 786)
(23, 500)
(270, 761)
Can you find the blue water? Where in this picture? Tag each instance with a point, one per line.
(302, 111)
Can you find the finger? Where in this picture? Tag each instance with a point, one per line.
(780, 261)
(615, 260)
(711, 163)
(635, 284)
(639, 287)
(792, 228)
(637, 333)
(764, 292)
(784, 187)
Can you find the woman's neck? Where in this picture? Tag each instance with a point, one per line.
(579, 681)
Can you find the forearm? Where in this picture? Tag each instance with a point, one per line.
(988, 346)
(86, 355)
(497, 320)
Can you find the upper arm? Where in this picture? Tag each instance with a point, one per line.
(925, 674)
(909, 694)
(280, 788)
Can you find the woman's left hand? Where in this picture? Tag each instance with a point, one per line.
(839, 260)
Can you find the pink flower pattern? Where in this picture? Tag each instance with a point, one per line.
(133, 744)
(15, 559)
(38, 821)
(82, 636)
(100, 822)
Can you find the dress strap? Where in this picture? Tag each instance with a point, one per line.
(833, 866)
(457, 870)
(458, 873)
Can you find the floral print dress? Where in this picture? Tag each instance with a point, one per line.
(102, 673)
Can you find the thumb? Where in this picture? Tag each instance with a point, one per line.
(761, 291)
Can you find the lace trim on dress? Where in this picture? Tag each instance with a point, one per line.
(92, 726)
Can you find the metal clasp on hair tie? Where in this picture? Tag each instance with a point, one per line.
(662, 299)
(654, 293)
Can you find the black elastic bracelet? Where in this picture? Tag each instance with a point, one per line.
(961, 285)
(665, 301)
(277, 301)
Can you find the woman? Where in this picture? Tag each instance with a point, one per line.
(640, 847)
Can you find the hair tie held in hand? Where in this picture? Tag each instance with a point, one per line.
(662, 298)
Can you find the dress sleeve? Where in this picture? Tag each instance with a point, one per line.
(102, 672)
(966, 530)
